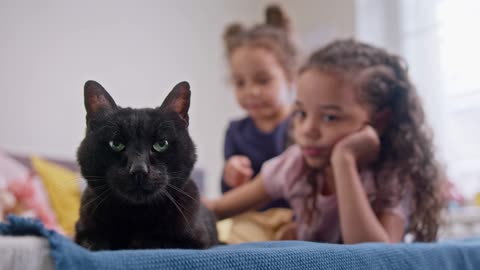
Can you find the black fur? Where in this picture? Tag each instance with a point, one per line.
(138, 197)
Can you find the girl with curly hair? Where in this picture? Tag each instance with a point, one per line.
(362, 168)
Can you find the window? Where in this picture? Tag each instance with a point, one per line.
(440, 42)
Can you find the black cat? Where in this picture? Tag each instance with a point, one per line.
(137, 163)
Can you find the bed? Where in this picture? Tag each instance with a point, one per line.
(64, 254)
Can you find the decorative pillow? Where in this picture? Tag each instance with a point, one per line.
(31, 201)
(63, 190)
(253, 226)
(10, 169)
(23, 193)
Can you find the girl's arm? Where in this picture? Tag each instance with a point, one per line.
(236, 201)
(237, 169)
(358, 221)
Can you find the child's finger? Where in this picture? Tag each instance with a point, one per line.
(242, 176)
(248, 172)
(241, 165)
(245, 161)
(235, 177)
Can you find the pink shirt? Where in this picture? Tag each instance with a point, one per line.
(285, 177)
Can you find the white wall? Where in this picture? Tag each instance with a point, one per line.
(318, 22)
(138, 50)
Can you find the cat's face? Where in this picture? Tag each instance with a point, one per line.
(136, 153)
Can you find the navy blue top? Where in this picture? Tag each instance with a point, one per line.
(244, 138)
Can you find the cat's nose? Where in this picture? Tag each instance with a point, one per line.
(139, 168)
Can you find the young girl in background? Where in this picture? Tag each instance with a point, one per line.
(262, 65)
(362, 168)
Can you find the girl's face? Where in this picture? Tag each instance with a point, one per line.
(326, 110)
(261, 84)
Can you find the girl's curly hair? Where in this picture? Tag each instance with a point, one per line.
(406, 165)
(274, 35)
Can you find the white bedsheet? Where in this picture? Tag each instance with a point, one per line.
(24, 253)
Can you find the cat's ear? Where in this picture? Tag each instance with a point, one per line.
(97, 98)
(178, 100)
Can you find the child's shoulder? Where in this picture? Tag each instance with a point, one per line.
(241, 123)
(281, 173)
(248, 124)
(291, 161)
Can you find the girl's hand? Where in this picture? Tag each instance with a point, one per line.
(238, 171)
(363, 146)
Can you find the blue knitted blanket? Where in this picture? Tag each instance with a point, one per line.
(463, 255)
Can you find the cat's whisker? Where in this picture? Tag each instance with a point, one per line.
(100, 187)
(181, 177)
(104, 198)
(89, 178)
(110, 124)
(179, 173)
(181, 201)
(74, 179)
(175, 172)
(182, 192)
(94, 199)
(66, 185)
(181, 205)
(179, 210)
(94, 180)
(165, 122)
(93, 176)
(178, 176)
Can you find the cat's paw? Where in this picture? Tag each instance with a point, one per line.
(95, 244)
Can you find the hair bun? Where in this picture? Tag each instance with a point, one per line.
(232, 30)
(274, 16)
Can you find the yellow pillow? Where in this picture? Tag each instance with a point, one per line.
(255, 226)
(63, 192)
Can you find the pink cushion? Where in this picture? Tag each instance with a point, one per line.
(10, 169)
(27, 189)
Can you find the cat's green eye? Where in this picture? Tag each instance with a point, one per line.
(116, 146)
(161, 146)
